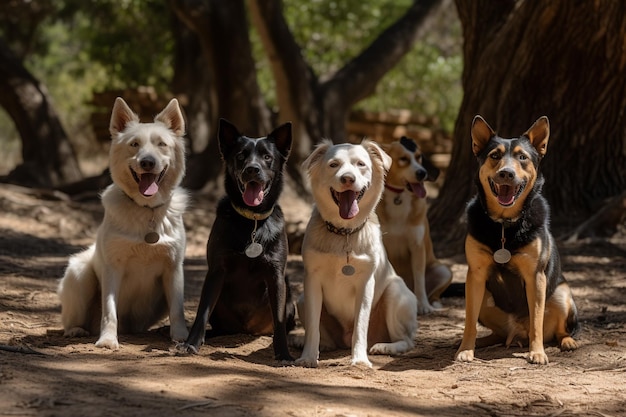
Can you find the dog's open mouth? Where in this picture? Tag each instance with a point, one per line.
(253, 192)
(506, 194)
(148, 182)
(417, 188)
(348, 202)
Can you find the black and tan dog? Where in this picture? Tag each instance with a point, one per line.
(514, 282)
(245, 289)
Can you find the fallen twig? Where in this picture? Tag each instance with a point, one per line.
(21, 349)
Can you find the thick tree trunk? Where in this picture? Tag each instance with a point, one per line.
(191, 85)
(48, 157)
(526, 59)
(235, 95)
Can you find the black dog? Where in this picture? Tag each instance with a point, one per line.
(246, 290)
(514, 283)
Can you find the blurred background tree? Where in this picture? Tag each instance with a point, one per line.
(261, 62)
(107, 44)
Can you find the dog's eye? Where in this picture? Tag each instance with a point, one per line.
(333, 164)
(134, 144)
(361, 163)
(241, 157)
(268, 158)
(522, 157)
(496, 156)
(162, 144)
(403, 160)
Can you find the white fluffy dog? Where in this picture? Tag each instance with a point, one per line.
(133, 273)
(352, 295)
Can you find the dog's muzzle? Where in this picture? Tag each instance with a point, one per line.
(506, 193)
(148, 182)
(347, 201)
(253, 192)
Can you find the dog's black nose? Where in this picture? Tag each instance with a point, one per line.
(252, 169)
(347, 179)
(506, 174)
(147, 163)
(421, 174)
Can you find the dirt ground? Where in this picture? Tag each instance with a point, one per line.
(44, 374)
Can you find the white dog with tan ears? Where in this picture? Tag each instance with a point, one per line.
(132, 276)
(352, 295)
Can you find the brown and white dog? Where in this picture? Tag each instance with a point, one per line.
(132, 276)
(352, 295)
(404, 223)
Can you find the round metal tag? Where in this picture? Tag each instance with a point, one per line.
(254, 249)
(348, 270)
(502, 256)
(151, 237)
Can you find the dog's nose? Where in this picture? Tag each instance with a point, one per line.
(252, 169)
(506, 174)
(421, 174)
(347, 179)
(147, 163)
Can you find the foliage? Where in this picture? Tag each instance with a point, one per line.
(331, 32)
(76, 47)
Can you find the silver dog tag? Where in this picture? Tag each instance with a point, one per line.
(253, 250)
(502, 256)
(151, 237)
(348, 270)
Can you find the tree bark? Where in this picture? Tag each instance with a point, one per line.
(235, 95)
(48, 158)
(526, 59)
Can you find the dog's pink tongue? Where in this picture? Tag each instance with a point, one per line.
(253, 194)
(147, 185)
(506, 195)
(348, 206)
(418, 189)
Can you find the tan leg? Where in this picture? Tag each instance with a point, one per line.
(536, 295)
(478, 262)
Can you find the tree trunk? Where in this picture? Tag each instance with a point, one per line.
(191, 85)
(235, 95)
(48, 157)
(526, 59)
(320, 109)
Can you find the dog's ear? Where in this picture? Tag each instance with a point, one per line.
(282, 137)
(538, 134)
(227, 135)
(481, 133)
(318, 153)
(377, 154)
(431, 169)
(172, 117)
(121, 116)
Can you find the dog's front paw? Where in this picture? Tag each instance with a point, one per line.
(179, 334)
(361, 361)
(75, 332)
(296, 340)
(306, 362)
(108, 341)
(425, 308)
(567, 343)
(185, 349)
(538, 358)
(464, 355)
(394, 348)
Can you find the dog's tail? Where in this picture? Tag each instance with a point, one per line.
(573, 324)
